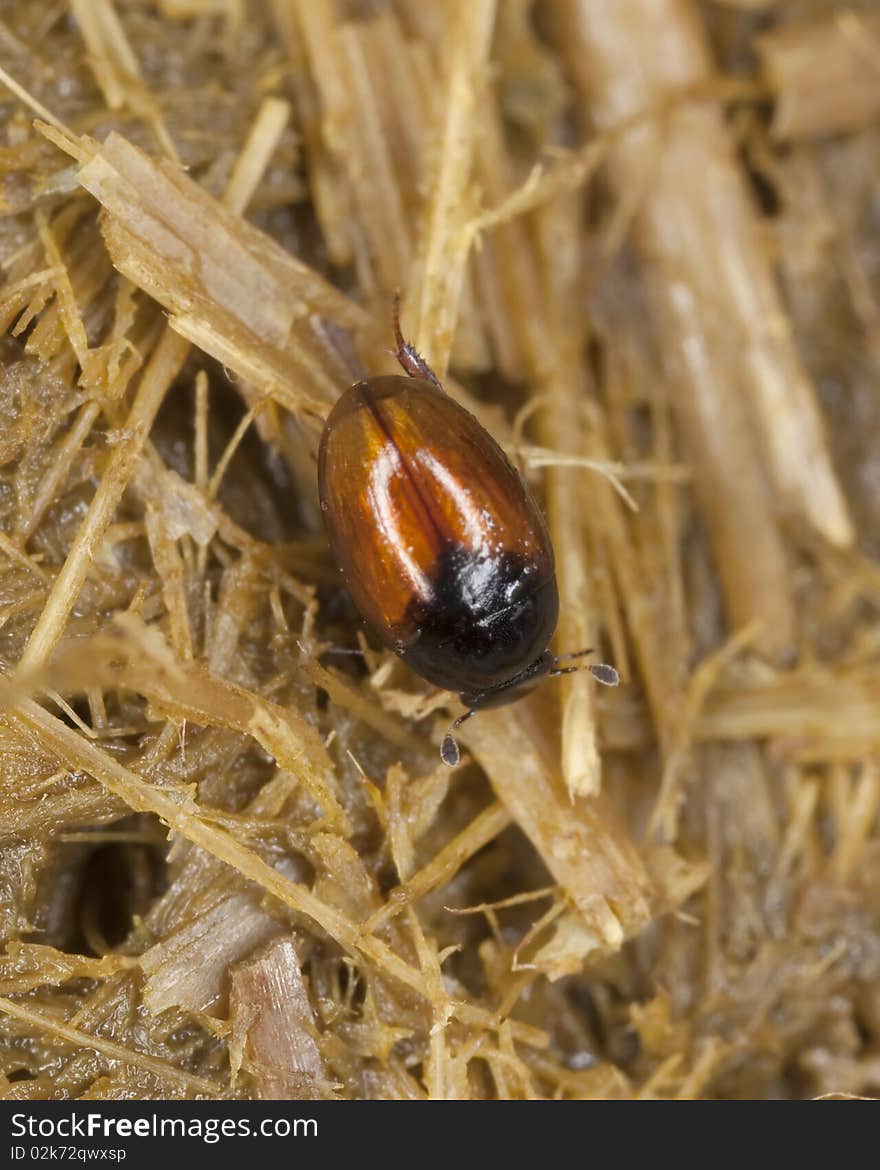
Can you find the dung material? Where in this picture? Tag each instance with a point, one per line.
(638, 241)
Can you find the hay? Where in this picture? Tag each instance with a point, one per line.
(640, 241)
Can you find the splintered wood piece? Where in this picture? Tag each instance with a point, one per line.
(188, 968)
(129, 193)
(824, 74)
(274, 1024)
(445, 242)
(230, 287)
(591, 856)
(724, 333)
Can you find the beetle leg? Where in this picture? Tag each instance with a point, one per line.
(410, 359)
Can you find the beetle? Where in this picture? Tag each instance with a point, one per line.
(439, 540)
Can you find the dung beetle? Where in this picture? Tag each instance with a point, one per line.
(440, 543)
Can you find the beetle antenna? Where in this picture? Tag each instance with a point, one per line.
(408, 356)
(601, 672)
(449, 753)
(574, 654)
